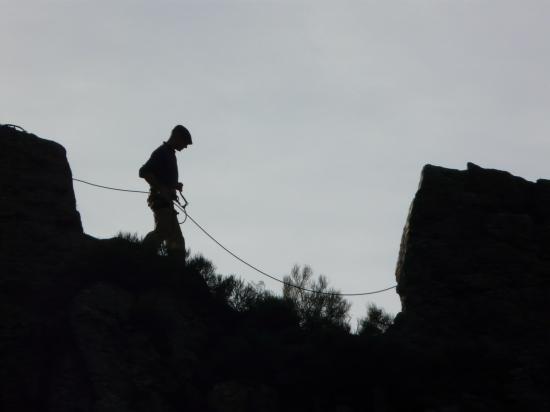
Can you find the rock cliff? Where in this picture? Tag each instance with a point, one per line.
(37, 194)
(103, 325)
(474, 278)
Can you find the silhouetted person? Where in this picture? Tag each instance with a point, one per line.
(161, 172)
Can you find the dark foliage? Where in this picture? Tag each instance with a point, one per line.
(238, 294)
(375, 323)
(320, 307)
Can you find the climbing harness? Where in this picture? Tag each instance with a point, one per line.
(183, 209)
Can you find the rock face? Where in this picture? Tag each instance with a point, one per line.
(474, 275)
(39, 230)
(103, 325)
(36, 196)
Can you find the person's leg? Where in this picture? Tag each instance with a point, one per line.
(168, 229)
(161, 232)
(175, 244)
(152, 240)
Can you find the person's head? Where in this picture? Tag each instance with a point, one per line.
(180, 138)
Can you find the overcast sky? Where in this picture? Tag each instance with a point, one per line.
(311, 120)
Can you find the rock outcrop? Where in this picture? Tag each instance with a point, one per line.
(104, 325)
(39, 232)
(474, 276)
(36, 196)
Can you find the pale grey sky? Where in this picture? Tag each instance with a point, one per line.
(311, 119)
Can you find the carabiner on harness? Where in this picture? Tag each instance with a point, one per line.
(182, 207)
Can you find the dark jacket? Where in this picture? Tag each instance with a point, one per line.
(163, 165)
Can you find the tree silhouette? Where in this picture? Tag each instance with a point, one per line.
(327, 308)
(375, 323)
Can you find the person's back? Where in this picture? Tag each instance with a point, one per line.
(161, 172)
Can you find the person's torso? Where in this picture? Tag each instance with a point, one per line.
(167, 168)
